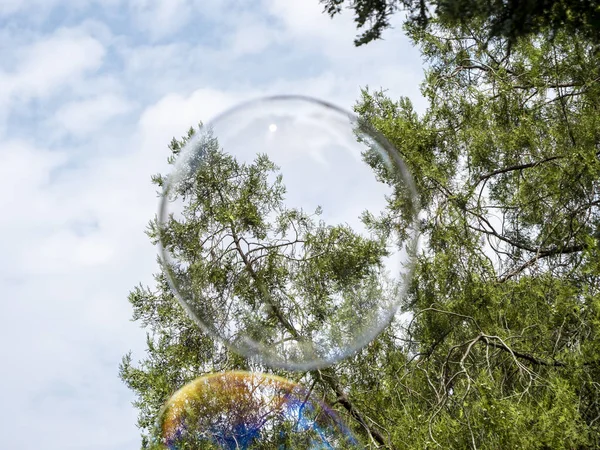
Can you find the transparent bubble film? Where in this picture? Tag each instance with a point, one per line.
(287, 230)
(240, 410)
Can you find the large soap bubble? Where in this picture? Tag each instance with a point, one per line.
(287, 230)
(240, 410)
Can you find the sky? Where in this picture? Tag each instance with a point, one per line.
(91, 92)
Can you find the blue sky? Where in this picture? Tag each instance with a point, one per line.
(91, 92)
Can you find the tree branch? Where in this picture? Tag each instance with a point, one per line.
(527, 357)
(329, 378)
(516, 167)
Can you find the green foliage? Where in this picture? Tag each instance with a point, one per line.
(503, 345)
(248, 262)
(508, 19)
(504, 335)
(248, 266)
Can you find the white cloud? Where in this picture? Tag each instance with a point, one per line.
(306, 24)
(51, 63)
(10, 6)
(85, 116)
(25, 168)
(174, 114)
(39, 9)
(40, 67)
(253, 38)
(159, 18)
(25, 175)
(63, 300)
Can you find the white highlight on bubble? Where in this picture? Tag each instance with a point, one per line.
(272, 128)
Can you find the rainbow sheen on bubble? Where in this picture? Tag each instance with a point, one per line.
(287, 229)
(241, 410)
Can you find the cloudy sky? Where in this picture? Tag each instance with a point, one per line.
(91, 92)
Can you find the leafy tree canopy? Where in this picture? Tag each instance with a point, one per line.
(509, 19)
(503, 350)
(268, 278)
(506, 299)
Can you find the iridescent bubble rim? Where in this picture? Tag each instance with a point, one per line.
(243, 410)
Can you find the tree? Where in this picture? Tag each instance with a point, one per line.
(503, 350)
(505, 336)
(508, 19)
(267, 277)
